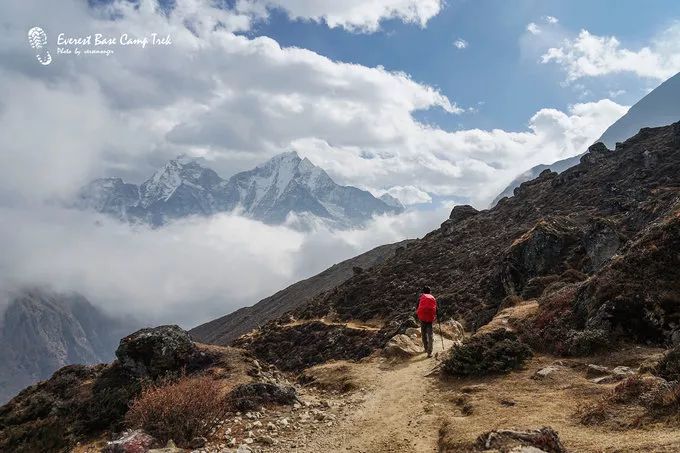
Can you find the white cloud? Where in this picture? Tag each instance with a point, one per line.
(186, 273)
(352, 15)
(410, 195)
(235, 101)
(533, 28)
(550, 19)
(590, 55)
(460, 43)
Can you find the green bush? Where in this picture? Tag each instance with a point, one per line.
(497, 352)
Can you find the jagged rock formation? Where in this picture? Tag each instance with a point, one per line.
(224, 330)
(557, 232)
(270, 192)
(42, 331)
(658, 108)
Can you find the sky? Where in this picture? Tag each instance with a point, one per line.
(437, 103)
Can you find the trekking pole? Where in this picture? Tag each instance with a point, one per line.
(441, 335)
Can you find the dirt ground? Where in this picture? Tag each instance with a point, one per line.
(379, 405)
(404, 406)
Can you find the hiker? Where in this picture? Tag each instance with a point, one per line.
(427, 313)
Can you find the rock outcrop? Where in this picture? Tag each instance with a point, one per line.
(153, 352)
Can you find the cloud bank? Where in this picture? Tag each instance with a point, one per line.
(188, 272)
(352, 15)
(590, 55)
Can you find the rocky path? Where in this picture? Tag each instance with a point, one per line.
(399, 414)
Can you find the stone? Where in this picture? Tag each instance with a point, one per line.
(543, 439)
(253, 395)
(413, 332)
(152, 352)
(198, 442)
(623, 370)
(548, 372)
(453, 330)
(244, 449)
(596, 371)
(402, 346)
(265, 440)
(283, 422)
(136, 441)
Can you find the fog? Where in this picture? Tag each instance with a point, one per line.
(185, 273)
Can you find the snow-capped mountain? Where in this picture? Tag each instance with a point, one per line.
(660, 107)
(270, 192)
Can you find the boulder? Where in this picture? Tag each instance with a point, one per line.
(248, 397)
(614, 375)
(509, 440)
(136, 441)
(453, 330)
(593, 371)
(458, 214)
(155, 351)
(548, 372)
(402, 346)
(462, 212)
(413, 332)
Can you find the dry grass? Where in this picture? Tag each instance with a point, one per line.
(554, 403)
(180, 410)
(339, 376)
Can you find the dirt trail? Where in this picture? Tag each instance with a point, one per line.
(348, 325)
(398, 414)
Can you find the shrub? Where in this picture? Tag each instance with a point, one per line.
(669, 367)
(182, 410)
(496, 352)
(586, 342)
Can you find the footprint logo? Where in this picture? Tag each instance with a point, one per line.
(37, 38)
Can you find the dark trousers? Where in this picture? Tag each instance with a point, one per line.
(426, 334)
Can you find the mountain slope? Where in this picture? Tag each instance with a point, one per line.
(658, 108)
(557, 231)
(224, 330)
(270, 192)
(43, 331)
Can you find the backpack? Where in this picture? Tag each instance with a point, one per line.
(427, 308)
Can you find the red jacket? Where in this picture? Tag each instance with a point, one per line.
(427, 308)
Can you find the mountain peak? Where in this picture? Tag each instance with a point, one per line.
(271, 191)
